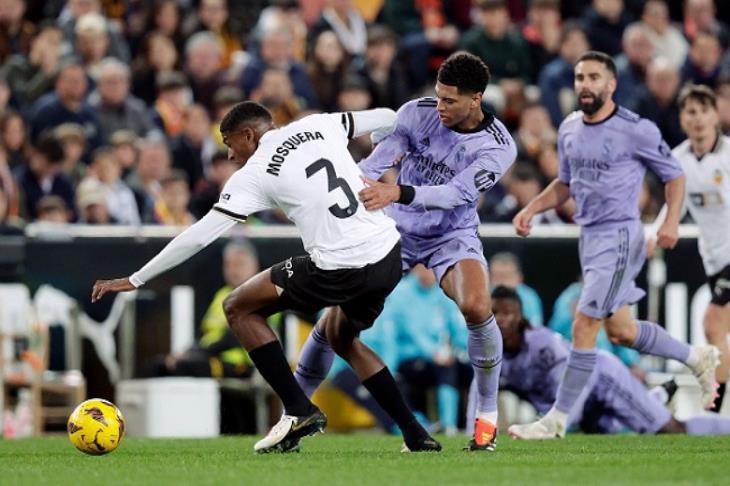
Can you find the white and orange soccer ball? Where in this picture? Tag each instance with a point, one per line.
(96, 427)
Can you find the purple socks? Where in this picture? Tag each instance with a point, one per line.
(653, 339)
(485, 354)
(580, 366)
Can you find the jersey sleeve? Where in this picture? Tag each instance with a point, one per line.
(564, 167)
(654, 152)
(393, 147)
(243, 195)
(482, 174)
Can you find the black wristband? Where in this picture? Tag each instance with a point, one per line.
(407, 193)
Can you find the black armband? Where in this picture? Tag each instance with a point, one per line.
(407, 193)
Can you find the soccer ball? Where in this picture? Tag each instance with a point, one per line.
(96, 427)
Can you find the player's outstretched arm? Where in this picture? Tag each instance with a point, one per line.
(182, 247)
(555, 194)
(388, 134)
(668, 233)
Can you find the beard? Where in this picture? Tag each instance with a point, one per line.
(591, 108)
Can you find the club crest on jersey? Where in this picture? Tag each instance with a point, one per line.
(717, 176)
(460, 154)
(607, 147)
(484, 180)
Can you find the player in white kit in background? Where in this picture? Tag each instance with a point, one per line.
(705, 159)
(352, 263)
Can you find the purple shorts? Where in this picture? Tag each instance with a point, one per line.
(619, 400)
(611, 256)
(442, 252)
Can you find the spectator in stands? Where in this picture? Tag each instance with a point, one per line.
(225, 98)
(701, 16)
(66, 105)
(505, 52)
(381, 71)
(16, 34)
(355, 96)
(505, 270)
(42, 176)
(73, 139)
(723, 104)
(276, 93)
(282, 14)
(173, 97)
(171, 208)
(32, 76)
(8, 226)
(632, 63)
(164, 18)
(703, 61)
(192, 149)
(213, 17)
(120, 200)
(426, 36)
(605, 22)
(92, 42)
(5, 94)
(203, 63)
(667, 39)
(75, 9)
(221, 169)
(542, 33)
(92, 203)
(13, 140)
(153, 165)
(124, 144)
(156, 58)
(276, 52)
(326, 68)
(53, 209)
(535, 134)
(116, 108)
(344, 20)
(556, 79)
(218, 353)
(658, 101)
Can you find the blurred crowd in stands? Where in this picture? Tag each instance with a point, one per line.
(109, 108)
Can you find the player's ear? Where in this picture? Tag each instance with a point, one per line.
(476, 99)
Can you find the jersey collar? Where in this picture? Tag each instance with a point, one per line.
(486, 122)
(714, 150)
(615, 109)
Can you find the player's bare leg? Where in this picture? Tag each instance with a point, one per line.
(246, 309)
(650, 338)
(581, 362)
(717, 327)
(467, 284)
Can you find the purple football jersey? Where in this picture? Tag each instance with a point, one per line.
(448, 168)
(604, 163)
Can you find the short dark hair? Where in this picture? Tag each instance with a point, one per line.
(502, 292)
(465, 71)
(697, 92)
(244, 112)
(50, 147)
(175, 175)
(601, 57)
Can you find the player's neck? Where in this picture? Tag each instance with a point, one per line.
(701, 146)
(471, 122)
(603, 114)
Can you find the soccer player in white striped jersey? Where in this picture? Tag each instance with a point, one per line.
(353, 256)
(705, 159)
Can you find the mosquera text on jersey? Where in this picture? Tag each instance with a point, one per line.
(306, 170)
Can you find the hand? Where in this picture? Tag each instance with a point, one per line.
(668, 235)
(522, 222)
(377, 195)
(101, 287)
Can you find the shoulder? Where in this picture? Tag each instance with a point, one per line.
(683, 149)
(416, 112)
(626, 115)
(570, 121)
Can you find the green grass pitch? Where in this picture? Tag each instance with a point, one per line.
(370, 459)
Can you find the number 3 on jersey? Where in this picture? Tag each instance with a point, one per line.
(334, 182)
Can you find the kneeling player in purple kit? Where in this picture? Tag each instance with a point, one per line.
(613, 399)
(604, 151)
(450, 152)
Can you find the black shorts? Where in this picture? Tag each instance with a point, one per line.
(720, 286)
(359, 292)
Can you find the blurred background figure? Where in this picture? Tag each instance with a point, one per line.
(172, 205)
(667, 39)
(505, 270)
(381, 70)
(53, 209)
(345, 21)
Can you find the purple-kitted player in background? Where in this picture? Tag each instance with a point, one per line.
(535, 360)
(604, 151)
(449, 151)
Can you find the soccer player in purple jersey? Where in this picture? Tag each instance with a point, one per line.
(449, 151)
(604, 151)
(535, 360)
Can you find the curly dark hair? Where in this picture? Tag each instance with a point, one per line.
(465, 71)
(502, 292)
(601, 57)
(244, 112)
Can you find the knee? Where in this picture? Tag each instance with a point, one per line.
(585, 330)
(475, 307)
(230, 308)
(715, 328)
(623, 335)
(339, 343)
